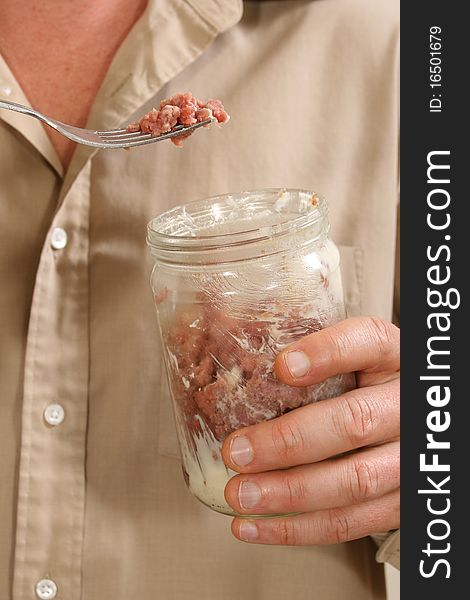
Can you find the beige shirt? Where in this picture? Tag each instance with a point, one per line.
(96, 502)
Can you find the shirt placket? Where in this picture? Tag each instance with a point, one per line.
(51, 490)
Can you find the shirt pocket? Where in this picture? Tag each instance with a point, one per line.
(351, 274)
(351, 264)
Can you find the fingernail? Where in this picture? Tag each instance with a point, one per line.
(297, 363)
(241, 451)
(248, 531)
(249, 494)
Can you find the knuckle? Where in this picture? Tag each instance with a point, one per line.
(396, 508)
(364, 480)
(338, 526)
(287, 438)
(384, 334)
(286, 532)
(296, 492)
(359, 420)
(337, 343)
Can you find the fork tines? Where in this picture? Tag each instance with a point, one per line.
(123, 137)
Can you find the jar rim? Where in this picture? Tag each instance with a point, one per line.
(311, 209)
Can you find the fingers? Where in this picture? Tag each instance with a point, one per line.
(318, 431)
(330, 526)
(364, 344)
(333, 483)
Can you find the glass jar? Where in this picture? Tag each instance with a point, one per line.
(236, 279)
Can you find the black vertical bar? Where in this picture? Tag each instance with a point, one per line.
(435, 129)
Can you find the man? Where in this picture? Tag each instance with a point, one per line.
(93, 504)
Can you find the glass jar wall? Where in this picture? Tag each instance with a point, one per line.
(236, 279)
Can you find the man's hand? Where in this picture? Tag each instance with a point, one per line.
(291, 464)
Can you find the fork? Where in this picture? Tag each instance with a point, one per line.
(111, 138)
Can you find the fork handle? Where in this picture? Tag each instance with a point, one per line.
(20, 108)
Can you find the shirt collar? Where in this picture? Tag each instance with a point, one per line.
(30, 128)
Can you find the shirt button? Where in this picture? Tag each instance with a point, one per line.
(46, 589)
(54, 414)
(58, 238)
(6, 89)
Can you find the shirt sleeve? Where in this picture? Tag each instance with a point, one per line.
(389, 548)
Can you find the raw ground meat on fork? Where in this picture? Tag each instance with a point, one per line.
(181, 109)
